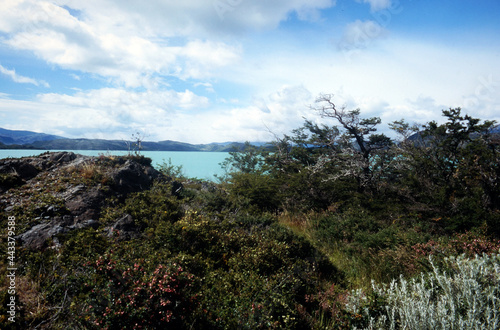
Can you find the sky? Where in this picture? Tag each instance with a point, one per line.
(202, 71)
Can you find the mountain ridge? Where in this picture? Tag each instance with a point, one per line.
(20, 137)
(14, 139)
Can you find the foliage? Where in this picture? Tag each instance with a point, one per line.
(468, 243)
(255, 192)
(246, 160)
(170, 170)
(465, 296)
(148, 208)
(359, 140)
(9, 180)
(140, 159)
(127, 296)
(456, 171)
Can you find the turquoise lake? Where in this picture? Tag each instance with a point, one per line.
(201, 165)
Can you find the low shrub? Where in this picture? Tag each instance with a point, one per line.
(463, 297)
(468, 243)
(124, 296)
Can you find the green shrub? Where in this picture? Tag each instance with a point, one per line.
(468, 243)
(149, 207)
(255, 193)
(9, 180)
(170, 170)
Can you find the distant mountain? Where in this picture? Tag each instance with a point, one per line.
(99, 144)
(9, 137)
(418, 139)
(30, 140)
(79, 144)
(495, 130)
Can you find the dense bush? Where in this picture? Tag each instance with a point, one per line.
(463, 295)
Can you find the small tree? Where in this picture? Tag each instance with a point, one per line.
(451, 139)
(455, 170)
(247, 159)
(359, 143)
(137, 140)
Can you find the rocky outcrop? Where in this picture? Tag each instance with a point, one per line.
(131, 177)
(38, 236)
(81, 187)
(16, 172)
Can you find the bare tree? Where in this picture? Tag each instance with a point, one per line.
(137, 139)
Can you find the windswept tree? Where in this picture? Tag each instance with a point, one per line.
(360, 144)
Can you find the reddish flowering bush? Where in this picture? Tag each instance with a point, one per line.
(468, 243)
(130, 297)
(331, 309)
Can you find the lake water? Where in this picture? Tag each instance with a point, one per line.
(201, 165)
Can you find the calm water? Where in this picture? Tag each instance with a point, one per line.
(202, 165)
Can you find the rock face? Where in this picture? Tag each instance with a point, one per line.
(37, 236)
(79, 186)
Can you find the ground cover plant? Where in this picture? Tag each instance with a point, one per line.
(331, 227)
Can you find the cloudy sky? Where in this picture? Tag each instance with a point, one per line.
(234, 70)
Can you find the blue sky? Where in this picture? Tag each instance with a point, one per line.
(234, 70)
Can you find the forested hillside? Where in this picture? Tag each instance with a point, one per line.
(291, 237)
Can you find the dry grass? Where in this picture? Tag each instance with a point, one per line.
(300, 224)
(89, 172)
(32, 300)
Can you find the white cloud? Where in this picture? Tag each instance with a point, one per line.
(120, 50)
(195, 17)
(202, 58)
(388, 79)
(261, 14)
(163, 115)
(104, 113)
(208, 86)
(137, 106)
(131, 42)
(276, 113)
(21, 79)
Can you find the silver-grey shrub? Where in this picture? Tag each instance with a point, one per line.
(463, 294)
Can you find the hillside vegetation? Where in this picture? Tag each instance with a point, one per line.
(335, 227)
